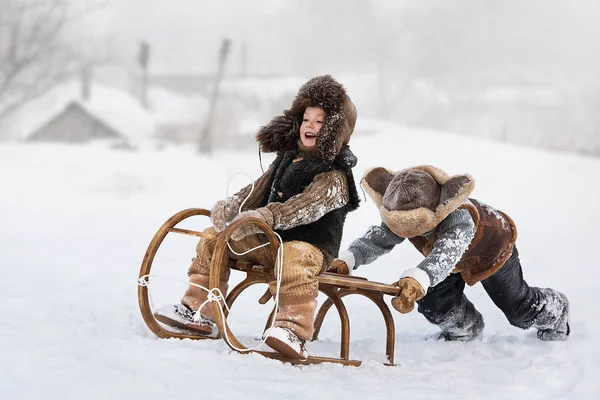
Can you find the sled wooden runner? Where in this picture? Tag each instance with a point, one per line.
(334, 286)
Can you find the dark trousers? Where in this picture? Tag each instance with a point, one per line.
(507, 289)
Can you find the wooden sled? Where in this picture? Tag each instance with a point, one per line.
(333, 285)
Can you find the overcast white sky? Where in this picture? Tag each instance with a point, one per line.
(185, 34)
(290, 36)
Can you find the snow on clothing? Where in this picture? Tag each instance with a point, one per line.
(456, 234)
(545, 309)
(414, 202)
(305, 196)
(282, 133)
(301, 263)
(494, 237)
(305, 199)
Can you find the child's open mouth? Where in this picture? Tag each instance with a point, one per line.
(310, 135)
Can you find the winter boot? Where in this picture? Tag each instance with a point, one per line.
(286, 342)
(464, 323)
(552, 322)
(294, 324)
(182, 315)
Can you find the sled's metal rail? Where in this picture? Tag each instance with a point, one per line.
(334, 286)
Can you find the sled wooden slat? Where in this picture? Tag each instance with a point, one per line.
(334, 286)
(191, 233)
(328, 278)
(310, 360)
(349, 282)
(143, 298)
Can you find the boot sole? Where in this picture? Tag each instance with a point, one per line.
(202, 330)
(283, 348)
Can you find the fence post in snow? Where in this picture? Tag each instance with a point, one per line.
(205, 145)
(143, 59)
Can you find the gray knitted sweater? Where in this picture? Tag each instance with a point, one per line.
(455, 234)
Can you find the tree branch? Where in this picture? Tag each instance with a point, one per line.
(34, 53)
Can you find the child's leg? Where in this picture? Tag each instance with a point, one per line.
(302, 262)
(446, 305)
(525, 306)
(182, 315)
(200, 268)
(198, 273)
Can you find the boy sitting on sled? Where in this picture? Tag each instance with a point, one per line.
(463, 240)
(304, 196)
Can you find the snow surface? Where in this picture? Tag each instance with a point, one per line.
(76, 221)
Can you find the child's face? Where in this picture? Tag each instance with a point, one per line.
(312, 121)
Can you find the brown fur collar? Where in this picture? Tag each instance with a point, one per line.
(283, 132)
(415, 222)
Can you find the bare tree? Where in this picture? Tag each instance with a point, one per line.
(35, 54)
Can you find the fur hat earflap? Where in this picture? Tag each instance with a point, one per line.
(283, 132)
(415, 200)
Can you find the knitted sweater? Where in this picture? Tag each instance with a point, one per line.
(455, 234)
(305, 199)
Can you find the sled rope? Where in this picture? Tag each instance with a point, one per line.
(215, 294)
(249, 251)
(219, 297)
(249, 194)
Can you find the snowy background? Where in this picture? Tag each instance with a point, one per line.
(506, 91)
(76, 222)
(520, 72)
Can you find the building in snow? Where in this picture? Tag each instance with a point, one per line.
(76, 124)
(66, 115)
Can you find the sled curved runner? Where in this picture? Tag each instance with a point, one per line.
(334, 286)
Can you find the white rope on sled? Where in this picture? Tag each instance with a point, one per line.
(215, 294)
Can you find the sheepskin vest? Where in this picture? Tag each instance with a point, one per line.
(291, 178)
(490, 248)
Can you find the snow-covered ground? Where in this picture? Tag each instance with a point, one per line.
(75, 223)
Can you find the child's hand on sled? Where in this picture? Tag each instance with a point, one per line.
(339, 267)
(410, 292)
(262, 214)
(223, 212)
(343, 264)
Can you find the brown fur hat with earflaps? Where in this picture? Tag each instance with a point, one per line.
(283, 132)
(415, 200)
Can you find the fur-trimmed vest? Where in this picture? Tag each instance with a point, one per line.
(291, 178)
(490, 248)
(414, 201)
